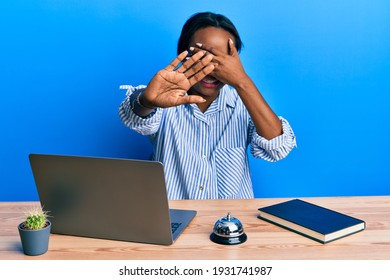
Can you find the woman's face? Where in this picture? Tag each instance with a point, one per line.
(215, 38)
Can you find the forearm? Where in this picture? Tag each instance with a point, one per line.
(267, 123)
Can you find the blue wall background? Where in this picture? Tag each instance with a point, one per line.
(324, 65)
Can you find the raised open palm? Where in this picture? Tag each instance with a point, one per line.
(169, 86)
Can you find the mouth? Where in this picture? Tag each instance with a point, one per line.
(210, 82)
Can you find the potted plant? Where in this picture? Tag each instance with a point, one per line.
(35, 231)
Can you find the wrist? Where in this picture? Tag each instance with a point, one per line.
(242, 83)
(144, 103)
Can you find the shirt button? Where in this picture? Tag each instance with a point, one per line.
(203, 156)
(201, 188)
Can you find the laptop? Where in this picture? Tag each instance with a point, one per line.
(117, 199)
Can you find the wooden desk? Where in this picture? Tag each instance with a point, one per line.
(265, 241)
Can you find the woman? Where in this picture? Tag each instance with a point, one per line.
(202, 111)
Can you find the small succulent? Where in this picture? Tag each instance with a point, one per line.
(36, 218)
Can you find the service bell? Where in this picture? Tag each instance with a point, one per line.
(228, 231)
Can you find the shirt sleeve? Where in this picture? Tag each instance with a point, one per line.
(144, 125)
(274, 149)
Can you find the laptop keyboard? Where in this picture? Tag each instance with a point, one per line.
(175, 226)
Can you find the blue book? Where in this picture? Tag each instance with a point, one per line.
(313, 221)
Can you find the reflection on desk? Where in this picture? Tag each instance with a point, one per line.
(265, 240)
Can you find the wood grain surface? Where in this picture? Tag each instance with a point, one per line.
(265, 240)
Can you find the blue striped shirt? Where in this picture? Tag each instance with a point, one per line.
(205, 154)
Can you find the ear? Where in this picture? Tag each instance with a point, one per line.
(232, 48)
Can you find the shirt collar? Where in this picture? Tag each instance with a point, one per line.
(226, 97)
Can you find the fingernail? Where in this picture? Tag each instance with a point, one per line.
(192, 48)
(199, 45)
(230, 40)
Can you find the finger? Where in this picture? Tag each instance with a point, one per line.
(190, 61)
(189, 99)
(210, 49)
(201, 74)
(176, 61)
(198, 66)
(216, 59)
(193, 50)
(231, 47)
